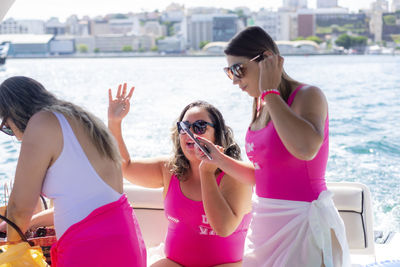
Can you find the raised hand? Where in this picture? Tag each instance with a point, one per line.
(119, 107)
(271, 68)
(206, 164)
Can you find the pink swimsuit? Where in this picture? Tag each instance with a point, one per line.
(190, 239)
(280, 175)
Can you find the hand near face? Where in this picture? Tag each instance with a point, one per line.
(271, 68)
(119, 107)
(207, 165)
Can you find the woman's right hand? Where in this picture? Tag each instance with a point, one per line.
(271, 68)
(119, 107)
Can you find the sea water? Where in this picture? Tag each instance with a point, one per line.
(363, 93)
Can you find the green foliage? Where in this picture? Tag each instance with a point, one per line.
(240, 13)
(348, 41)
(96, 50)
(323, 30)
(356, 28)
(396, 38)
(314, 38)
(389, 20)
(203, 44)
(82, 48)
(299, 38)
(154, 48)
(141, 50)
(170, 27)
(358, 41)
(127, 48)
(344, 40)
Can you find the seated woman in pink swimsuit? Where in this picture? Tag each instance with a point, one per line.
(207, 210)
(295, 222)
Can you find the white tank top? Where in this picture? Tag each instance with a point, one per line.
(73, 183)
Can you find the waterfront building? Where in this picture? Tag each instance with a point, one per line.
(62, 45)
(305, 23)
(294, 5)
(395, 5)
(22, 45)
(211, 28)
(327, 3)
(55, 27)
(171, 44)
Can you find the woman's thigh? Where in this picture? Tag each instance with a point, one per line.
(235, 264)
(165, 263)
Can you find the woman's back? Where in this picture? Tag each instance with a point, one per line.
(79, 179)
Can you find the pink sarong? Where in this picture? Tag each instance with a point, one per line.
(108, 236)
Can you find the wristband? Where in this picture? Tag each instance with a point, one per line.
(270, 91)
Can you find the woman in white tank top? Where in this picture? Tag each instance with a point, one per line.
(68, 155)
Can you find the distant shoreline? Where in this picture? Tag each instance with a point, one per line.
(120, 55)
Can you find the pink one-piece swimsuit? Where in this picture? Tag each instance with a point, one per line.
(190, 239)
(280, 175)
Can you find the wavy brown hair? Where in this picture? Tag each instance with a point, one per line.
(254, 41)
(222, 133)
(21, 97)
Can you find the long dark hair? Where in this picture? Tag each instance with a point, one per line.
(21, 97)
(251, 42)
(222, 133)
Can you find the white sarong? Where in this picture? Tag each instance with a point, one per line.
(295, 233)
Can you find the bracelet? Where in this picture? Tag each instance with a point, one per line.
(270, 91)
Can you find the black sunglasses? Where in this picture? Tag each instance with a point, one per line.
(198, 127)
(237, 70)
(6, 129)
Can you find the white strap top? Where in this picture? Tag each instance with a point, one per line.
(73, 183)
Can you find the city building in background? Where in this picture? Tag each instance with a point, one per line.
(327, 3)
(177, 30)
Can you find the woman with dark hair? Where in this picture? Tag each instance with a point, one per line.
(68, 155)
(207, 210)
(295, 222)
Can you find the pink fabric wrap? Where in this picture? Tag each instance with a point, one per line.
(109, 236)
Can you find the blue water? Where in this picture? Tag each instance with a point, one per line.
(363, 94)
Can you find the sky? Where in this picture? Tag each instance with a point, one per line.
(44, 9)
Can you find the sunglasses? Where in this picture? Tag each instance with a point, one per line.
(238, 70)
(6, 129)
(198, 127)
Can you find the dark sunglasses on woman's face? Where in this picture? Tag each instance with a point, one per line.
(198, 127)
(6, 129)
(237, 70)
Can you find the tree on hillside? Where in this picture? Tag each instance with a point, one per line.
(82, 48)
(314, 38)
(203, 44)
(389, 19)
(127, 48)
(348, 41)
(344, 40)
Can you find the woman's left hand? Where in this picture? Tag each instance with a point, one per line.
(271, 68)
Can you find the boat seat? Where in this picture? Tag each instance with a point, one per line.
(353, 201)
(149, 210)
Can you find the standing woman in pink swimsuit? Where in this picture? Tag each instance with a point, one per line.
(208, 211)
(295, 222)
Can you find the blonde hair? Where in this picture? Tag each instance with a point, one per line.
(21, 97)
